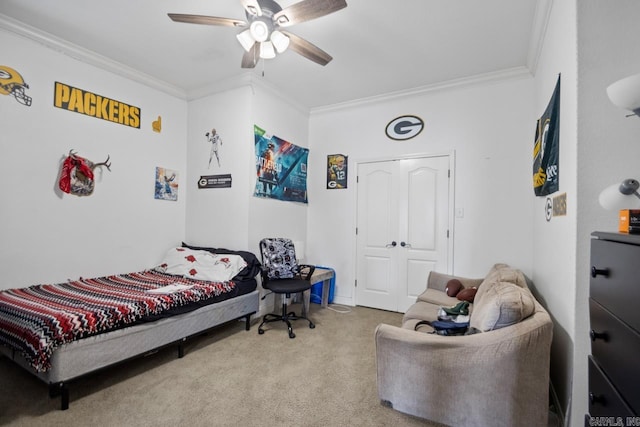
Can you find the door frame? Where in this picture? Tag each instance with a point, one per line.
(450, 216)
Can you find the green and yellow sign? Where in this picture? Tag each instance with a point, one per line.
(90, 104)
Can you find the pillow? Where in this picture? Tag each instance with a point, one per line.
(453, 287)
(201, 265)
(467, 294)
(248, 273)
(502, 304)
(504, 273)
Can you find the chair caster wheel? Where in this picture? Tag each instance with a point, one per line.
(260, 331)
(311, 325)
(292, 335)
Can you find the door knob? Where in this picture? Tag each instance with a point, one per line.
(405, 245)
(392, 244)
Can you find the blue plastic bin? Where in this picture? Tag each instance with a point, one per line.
(316, 290)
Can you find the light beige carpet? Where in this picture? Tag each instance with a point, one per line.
(229, 377)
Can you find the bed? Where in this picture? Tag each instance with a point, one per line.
(60, 332)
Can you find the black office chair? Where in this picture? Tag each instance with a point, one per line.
(281, 274)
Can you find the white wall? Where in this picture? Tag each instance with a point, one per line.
(489, 127)
(274, 218)
(554, 265)
(219, 217)
(608, 149)
(233, 217)
(49, 237)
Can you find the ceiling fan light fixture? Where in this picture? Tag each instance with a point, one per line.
(259, 30)
(280, 41)
(267, 51)
(246, 39)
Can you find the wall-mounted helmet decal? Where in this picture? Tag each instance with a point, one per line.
(12, 83)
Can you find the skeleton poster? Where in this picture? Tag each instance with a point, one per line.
(546, 147)
(281, 168)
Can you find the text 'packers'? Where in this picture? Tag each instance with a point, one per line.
(88, 103)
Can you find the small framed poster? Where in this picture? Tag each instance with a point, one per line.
(337, 171)
(166, 184)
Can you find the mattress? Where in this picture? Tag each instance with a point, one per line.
(80, 357)
(60, 332)
(38, 319)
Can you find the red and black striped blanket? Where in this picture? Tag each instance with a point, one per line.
(37, 319)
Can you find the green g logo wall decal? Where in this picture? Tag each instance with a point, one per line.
(404, 127)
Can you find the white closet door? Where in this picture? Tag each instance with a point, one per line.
(402, 228)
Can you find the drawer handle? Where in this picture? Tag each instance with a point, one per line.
(598, 335)
(599, 272)
(593, 399)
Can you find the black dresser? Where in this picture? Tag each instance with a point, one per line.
(614, 309)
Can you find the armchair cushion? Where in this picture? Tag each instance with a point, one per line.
(501, 304)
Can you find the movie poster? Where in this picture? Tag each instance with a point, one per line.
(281, 168)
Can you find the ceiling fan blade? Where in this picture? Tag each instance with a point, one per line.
(307, 10)
(250, 59)
(252, 7)
(307, 49)
(206, 20)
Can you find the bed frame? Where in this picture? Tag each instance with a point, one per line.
(79, 358)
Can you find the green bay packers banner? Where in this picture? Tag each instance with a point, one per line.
(546, 147)
(281, 168)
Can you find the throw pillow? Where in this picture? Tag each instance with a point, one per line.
(502, 304)
(467, 294)
(453, 287)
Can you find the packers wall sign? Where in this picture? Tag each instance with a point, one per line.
(90, 104)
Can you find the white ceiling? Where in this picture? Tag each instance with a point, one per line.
(378, 46)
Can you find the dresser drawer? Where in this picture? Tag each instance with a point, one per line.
(617, 287)
(604, 400)
(616, 348)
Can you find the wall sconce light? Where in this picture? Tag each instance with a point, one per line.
(616, 197)
(625, 93)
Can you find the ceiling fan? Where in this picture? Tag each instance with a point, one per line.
(263, 32)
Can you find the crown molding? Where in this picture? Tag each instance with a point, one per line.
(87, 56)
(538, 33)
(495, 76)
(248, 78)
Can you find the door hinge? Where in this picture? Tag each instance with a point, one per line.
(448, 173)
(447, 234)
(356, 231)
(356, 284)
